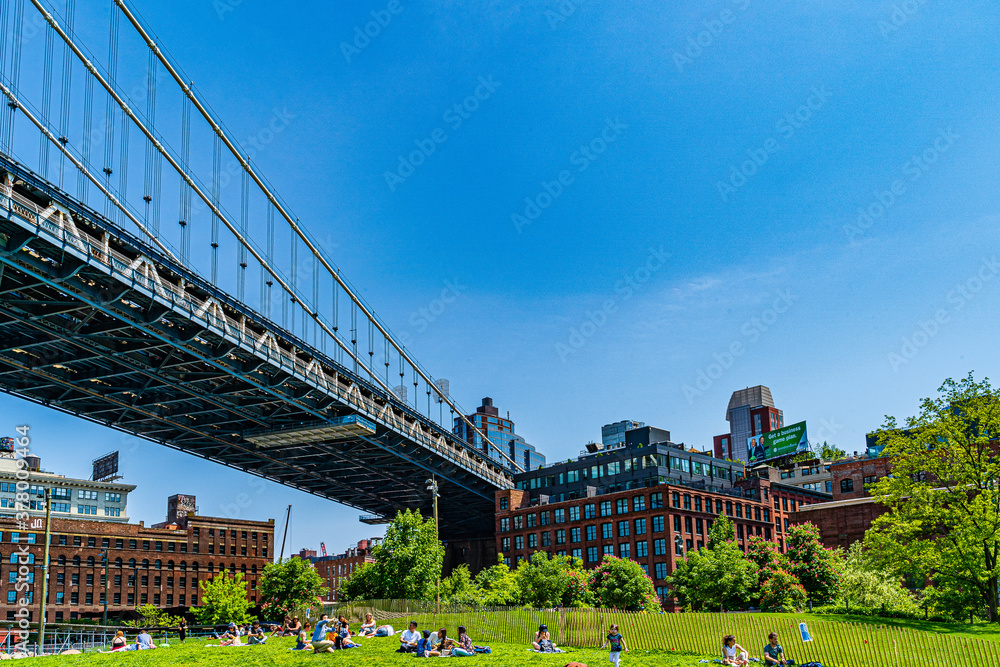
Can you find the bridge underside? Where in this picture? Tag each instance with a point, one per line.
(85, 341)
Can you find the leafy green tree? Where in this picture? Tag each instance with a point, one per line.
(781, 590)
(459, 588)
(620, 583)
(816, 567)
(943, 497)
(289, 587)
(867, 588)
(556, 581)
(407, 563)
(765, 556)
(829, 452)
(498, 586)
(223, 600)
(718, 576)
(151, 616)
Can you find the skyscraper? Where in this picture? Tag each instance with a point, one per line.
(751, 412)
(508, 447)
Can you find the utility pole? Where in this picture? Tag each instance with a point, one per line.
(45, 570)
(432, 486)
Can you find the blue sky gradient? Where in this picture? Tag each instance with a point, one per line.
(747, 139)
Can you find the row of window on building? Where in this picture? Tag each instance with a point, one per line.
(62, 494)
(612, 468)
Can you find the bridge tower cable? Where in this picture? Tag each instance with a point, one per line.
(15, 73)
(185, 191)
(67, 87)
(285, 214)
(293, 223)
(216, 168)
(43, 143)
(109, 110)
(87, 141)
(244, 223)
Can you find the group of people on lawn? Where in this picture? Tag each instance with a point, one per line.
(335, 635)
(734, 654)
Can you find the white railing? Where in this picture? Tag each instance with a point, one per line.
(141, 271)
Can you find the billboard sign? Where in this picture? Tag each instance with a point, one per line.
(106, 467)
(6, 444)
(775, 444)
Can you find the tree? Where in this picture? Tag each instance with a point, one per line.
(289, 587)
(223, 600)
(407, 563)
(866, 588)
(459, 588)
(829, 452)
(622, 584)
(151, 616)
(943, 498)
(781, 590)
(765, 556)
(718, 575)
(556, 581)
(816, 567)
(498, 586)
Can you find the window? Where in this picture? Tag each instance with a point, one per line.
(577, 553)
(132, 543)
(59, 597)
(660, 547)
(561, 536)
(623, 529)
(86, 495)
(739, 510)
(698, 527)
(12, 577)
(697, 503)
(572, 476)
(504, 503)
(592, 554)
(687, 501)
(846, 485)
(574, 513)
(532, 540)
(62, 507)
(658, 524)
(624, 550)
(112, 511)
(621, 506)
(560, 516)
(675, 499)
(546, 539)
(518, 542)
(687, 524)
(640, 526)
(505, 524)
(606, 508)
(530, 520)
(591, 533)
(112, 497)
(677, 523)
(870, 479)
(609, 550)
(544, 518)
(505, 544)
(641, 549)
(574, 535)
(606, 530)
(86, 509)
(655, 500)
(660, 570)
(589, 511)
(518, 523)
(739, 531)
(639, 503)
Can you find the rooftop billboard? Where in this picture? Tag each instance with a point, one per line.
(775, 444)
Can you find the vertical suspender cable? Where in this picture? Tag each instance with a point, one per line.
(244, 222)
(185, 193)
(336, 321)
(216, 169)
(371, 347)
(15, 72)
(109, 112)
(123, 166)
(386, 353)
(354, 333)
(293, 250)
(266, 281)
(149, 181)
(83, 184)
(43, 146)
(67, 89)
(6, 37)
(315, 303)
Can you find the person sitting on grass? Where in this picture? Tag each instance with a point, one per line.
(465, 646)
(119, 642)
(543, 641)
(774, 655)
(256, 635)
(444, 645)
(733, 653)
(293, 628)
(424, 645)
(142, 642)
(232, 636)
(368, 627)
(408, 639)
(302, 641)
(320, 642)
(340, 643)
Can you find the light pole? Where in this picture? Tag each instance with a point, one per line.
(432, 486)
(45, 570)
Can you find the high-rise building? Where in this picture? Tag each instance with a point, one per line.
(751, 412)
(613, 435)
(508, 447)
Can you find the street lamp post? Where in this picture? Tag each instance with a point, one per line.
(104, 554)
(432, 486)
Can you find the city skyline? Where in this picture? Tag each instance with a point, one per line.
(799, 208)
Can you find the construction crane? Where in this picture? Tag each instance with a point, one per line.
(322, 548)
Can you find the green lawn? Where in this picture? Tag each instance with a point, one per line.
(373, 652)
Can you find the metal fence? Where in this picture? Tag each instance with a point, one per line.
(833, 643)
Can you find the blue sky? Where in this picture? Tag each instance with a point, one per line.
(715, 158)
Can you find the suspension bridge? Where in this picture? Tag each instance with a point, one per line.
(124, 300)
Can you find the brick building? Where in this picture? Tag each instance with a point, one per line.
(844, 519)
(654, 525)
(336, 568)
(158, 565)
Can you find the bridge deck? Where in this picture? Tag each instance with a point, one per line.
(95, 322)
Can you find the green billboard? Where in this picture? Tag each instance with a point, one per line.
(775, 444)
